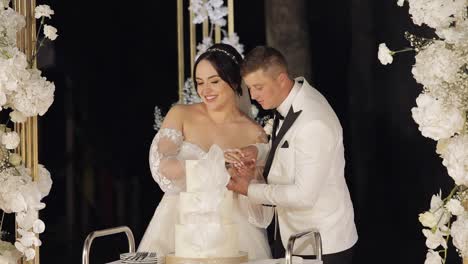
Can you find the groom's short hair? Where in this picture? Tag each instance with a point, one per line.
(264, 58)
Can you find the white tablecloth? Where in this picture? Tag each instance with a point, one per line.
(265, 261)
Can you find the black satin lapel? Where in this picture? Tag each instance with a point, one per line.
(288, 122)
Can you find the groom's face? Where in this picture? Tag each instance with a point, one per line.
(264, 88)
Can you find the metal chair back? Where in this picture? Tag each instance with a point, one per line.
(292, 240)
(106, 232)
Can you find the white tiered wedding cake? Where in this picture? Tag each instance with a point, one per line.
(206, 232)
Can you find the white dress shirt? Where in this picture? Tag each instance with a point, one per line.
(283, 108)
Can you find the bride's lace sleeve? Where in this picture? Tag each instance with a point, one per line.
(167, 170)
(258, 215)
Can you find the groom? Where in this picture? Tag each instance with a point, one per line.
(304, 168)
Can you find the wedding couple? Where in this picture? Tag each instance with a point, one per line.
(299, 172)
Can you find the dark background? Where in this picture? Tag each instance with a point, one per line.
(115, 61)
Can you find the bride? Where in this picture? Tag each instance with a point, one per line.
(188, 132)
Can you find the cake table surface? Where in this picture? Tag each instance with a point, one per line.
(264, 261)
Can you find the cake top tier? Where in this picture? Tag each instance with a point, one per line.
(207, 174)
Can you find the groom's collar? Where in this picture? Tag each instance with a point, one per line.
(283, 108)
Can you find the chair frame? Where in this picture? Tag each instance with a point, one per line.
(106, 232)
(292, 240)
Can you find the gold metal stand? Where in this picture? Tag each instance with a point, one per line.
(26, 42)
(193, 39)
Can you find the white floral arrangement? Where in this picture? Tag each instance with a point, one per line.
(214, 12)
(27, 93)
(442, 68)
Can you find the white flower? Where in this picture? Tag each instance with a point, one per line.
(434, 239)
(233, 40)
(436, 65)
(35, 96)
(13, 202)
(268, 127)
(435, 120)
(10, 23)
(11, 140)
(454, 207)
(432, 257)
(32, 196)
(400, 2)
(459, 234)
(436, 13)
(200, 13)
(15, 159)
(436, 201)
(50, 32)
(203, 46)
(217, 12)
(440, 213)
(38, 226)
(384, 54)
(28, 252)
(44, 183)
(4, 4)
(26, 219)
(254, 111)
(17, 117)
(455, 159)
(28, 238)
(212, 9)
(12, 73)
(43, 11)
(442, 146)
(457, 34)
(9, 254)
(428, 219)
(190, 95)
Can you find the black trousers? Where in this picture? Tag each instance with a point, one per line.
(278, 251)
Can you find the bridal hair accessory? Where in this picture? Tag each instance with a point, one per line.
(225, 52)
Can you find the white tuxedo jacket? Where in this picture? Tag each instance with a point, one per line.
(306, 180)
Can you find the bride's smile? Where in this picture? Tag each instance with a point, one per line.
(214, 91)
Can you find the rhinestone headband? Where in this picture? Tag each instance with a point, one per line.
(226, 53)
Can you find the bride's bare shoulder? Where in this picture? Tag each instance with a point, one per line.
(179, 113)
(182, 110)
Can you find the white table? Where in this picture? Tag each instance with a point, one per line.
(266, 261)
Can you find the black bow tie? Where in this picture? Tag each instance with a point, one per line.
(278, 115)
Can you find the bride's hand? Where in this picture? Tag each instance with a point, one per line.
(234, 156)
(243, 157)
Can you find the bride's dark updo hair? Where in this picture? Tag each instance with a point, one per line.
(226, 61)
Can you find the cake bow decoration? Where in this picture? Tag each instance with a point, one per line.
(206, 190)
(212, 171)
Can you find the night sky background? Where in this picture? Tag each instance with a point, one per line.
(115, 61)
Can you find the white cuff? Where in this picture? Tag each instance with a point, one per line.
(255, 193)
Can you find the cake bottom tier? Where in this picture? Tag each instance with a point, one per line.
(241, 258)
(206, 240)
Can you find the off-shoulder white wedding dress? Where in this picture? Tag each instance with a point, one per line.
(167, 155)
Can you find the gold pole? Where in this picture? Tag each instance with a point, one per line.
(205, 29)
(26, 42)
(230, 17)
(180, 47)
(217, 34)
(193, 43)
